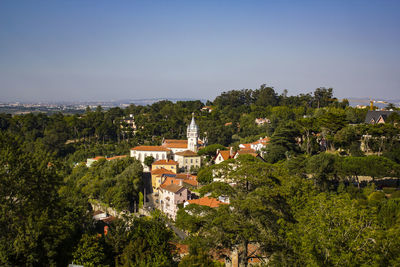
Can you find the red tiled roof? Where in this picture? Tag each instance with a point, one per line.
(226, 154)
(191, 182)
(207, 201)
(165, 162)
(248, 151)
(262, 141)
(150, 148)
(181, 249)
(187, 153)
(117, 157)
(161, 171)
(171, 187)
(181, 178)
(167, 141)
(173, 143)
(98, 157)
(245, 146)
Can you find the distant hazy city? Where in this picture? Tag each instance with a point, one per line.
(76, 107)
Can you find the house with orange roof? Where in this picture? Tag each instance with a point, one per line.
(205, 201)
(223, 155)
(256, 146)
(157, 176)
(168, 164)
(171, 195)
(182, 179)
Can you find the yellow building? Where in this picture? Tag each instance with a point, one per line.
(169, 164)
(156, 176)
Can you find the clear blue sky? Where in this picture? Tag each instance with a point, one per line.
(111, 50)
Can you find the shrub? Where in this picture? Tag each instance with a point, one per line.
(376, 196)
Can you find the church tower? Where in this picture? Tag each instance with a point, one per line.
(192, 135)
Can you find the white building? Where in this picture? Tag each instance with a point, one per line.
(192, 134)
(170, 146)
(157, 152)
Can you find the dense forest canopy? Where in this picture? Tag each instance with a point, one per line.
(305, 204)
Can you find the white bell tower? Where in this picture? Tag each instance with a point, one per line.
(192, 135)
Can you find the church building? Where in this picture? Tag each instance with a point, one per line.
(170, 147)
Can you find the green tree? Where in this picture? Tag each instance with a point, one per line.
(141, 242)
(90, 251)
(323, 168)
(252, 215)
(148, 161)
(332, 230)
(36, 223)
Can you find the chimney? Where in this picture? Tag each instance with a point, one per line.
(231, 151)
(216, 153)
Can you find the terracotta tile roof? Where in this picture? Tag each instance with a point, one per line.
(117, 157)
(98, 157)
(187, 153)
(225, 154)
(191, 182)
(180, 178)
(245, 146)
(167, 141)
(175, 145)
(171, 180)
(161, 171)
(262, 141)
(181, 249)
(248, 151)
(109, 219)
(228, 123)
(171, 187)
(185, 176)
(150, 148)
(165, 162)
(207, 201)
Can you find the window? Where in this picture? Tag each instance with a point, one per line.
(191, 160)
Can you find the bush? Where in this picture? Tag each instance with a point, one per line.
(376, 196)
(205, 175)
(395, 194)
(388, 190)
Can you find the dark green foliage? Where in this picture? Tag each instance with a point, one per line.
(91, 251)
(37, 225)
(204, 176)
(210, 150)
(148, 161)
(141, 242)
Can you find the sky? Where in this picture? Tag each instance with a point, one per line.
(81, 50)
